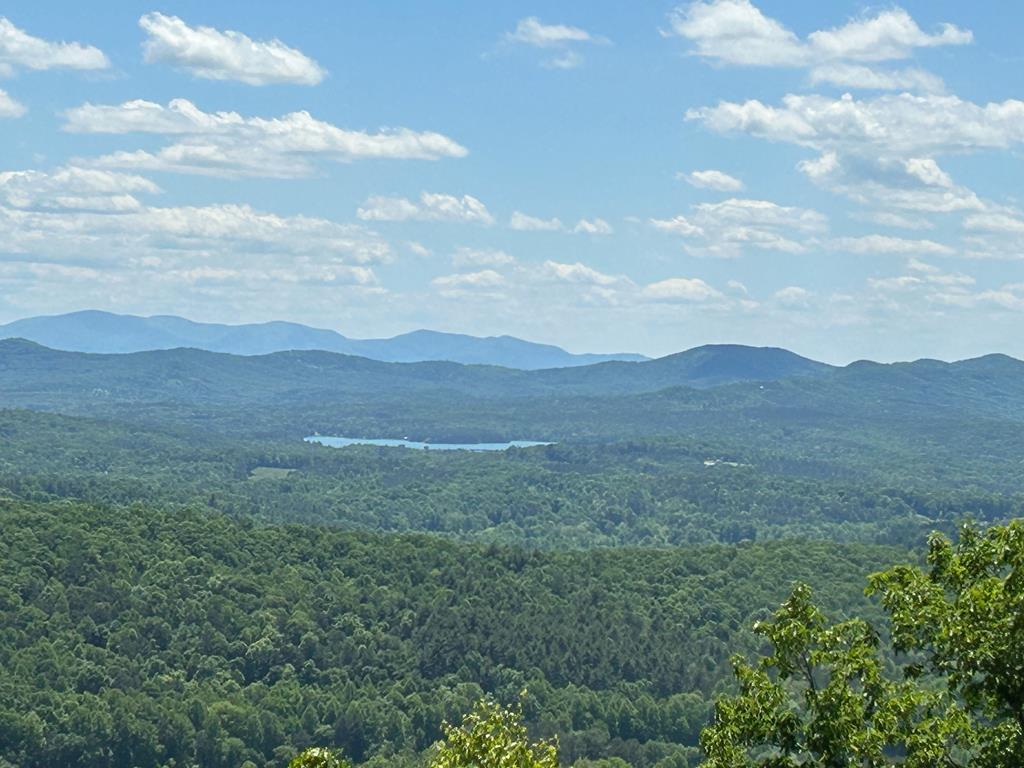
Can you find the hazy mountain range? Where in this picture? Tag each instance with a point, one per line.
(104, 332)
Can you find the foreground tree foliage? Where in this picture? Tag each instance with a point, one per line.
(319, 757)
(822, 697)
(492, 736)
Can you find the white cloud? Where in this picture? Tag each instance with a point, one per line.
(74, 188)
(792, 296)
(215, 55)
(995, 234)
(18, 49)
(725, 229)
(481, 257)
(916, 265)
(927, 281)
(483, 283)
(863, 77)
(578, 273)
(532, 31)
(188, 232)
(892, 124)
(895, 284)
(679, 225)
(228, 144)
(681, 289)
(927, 171)
(995, 222)
(711, 179)
(430, 207)
(1008, 297)
(593, 227)
(914, 184)
(560, 37)
(9, 107)
(892, 34)
(884, 244)
(737, 32)
(524, 223)
(564, 60)
(83, 237)
(760, 213)
(418, 249)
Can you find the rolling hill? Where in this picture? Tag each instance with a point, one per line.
(32, 371)
(104, 332)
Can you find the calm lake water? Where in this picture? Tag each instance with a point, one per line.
(341, 442)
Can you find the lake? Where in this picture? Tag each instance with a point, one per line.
(341, 442)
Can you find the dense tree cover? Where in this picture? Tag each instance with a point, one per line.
(882, 424)
(822, 697)
(159, 605)
(133, 636)
(635, 493)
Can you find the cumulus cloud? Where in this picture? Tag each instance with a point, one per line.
(191, 232)
(522, 285)
(524, 223)
(727, 228)
(913, 184)
(79, 236)
(20, 50)
(430, 207)
(418, 249)
(680, 289)
(712, 179)
(579, 273)
(792, 296)
(483, 283)
(561, 38)
(593, 227)
(862, 77)
(215, 55)
(9, 107)
(229, 144)
(737, 32)
(892, 124)
(879, 152)
(532, 31)
(72, 188)
(926, 282)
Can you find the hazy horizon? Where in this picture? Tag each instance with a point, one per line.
(835, 361)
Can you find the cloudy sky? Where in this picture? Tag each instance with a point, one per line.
(841, 179)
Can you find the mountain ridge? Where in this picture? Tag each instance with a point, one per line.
(101, 332)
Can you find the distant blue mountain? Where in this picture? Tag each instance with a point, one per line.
(104, 332)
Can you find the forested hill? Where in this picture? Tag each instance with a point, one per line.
(189, 373)
(305, 391)
(104, 332)
(145, 638)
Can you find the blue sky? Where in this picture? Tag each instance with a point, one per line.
(840, 179)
